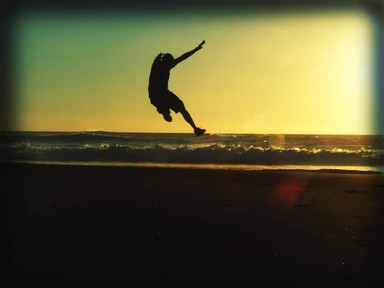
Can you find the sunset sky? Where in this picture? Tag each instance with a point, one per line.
(259, 72)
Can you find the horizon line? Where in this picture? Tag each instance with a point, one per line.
(163, 132)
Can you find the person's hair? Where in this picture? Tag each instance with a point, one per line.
(167, 57)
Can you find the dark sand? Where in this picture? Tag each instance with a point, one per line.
(79, 226)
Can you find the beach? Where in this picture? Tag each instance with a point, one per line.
(104, 226)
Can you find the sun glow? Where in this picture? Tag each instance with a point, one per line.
(259, 72)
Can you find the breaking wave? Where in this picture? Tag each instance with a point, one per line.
(193, 154)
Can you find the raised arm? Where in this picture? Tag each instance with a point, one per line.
(189, 53)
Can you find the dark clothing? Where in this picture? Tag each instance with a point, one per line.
(160, 96)
(164, 100)
(159, 77)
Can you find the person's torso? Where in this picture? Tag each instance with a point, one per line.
(159, 77)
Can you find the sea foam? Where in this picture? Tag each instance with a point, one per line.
(244, 149)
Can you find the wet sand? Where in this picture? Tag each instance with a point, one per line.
(87, 226)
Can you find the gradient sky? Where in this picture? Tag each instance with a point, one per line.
(259, 72)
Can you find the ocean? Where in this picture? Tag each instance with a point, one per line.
(217, 151)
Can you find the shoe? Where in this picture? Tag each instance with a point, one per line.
(167, 117)
(199, 132)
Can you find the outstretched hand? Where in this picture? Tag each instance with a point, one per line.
(200, 45)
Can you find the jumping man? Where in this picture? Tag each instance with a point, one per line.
(160, 96)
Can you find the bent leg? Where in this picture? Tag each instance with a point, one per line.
(165, 112)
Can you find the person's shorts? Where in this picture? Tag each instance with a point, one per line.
(165, 100)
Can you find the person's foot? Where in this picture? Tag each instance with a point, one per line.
(199, 132)
(167, 117)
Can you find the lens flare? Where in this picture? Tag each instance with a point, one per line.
(289, 190)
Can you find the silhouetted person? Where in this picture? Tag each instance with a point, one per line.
(160, 96)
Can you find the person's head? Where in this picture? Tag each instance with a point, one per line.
(167, 59)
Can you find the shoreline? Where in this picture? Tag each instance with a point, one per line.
(227, 167)
(113, 226)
